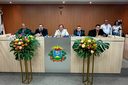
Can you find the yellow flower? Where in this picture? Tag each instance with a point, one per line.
(16, 48)
(20, 39)
(31, 36)
(16, 40)
(27, 40)
(21, 42)
(83, 45)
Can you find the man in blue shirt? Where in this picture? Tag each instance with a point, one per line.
(79, 31)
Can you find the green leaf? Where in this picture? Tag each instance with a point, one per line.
(12, 49)
(51, 51)
(32, 54)
(17, 58)
(30, 58)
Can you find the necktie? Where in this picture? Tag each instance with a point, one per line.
(79, 33)
(97, 33)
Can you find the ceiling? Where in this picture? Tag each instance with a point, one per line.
(61, 1)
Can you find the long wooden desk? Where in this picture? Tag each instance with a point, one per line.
(109, 62)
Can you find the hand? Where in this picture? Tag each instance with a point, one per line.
(38, 35)
(62, 35)
(59, 35)
(99, 36)
(113, 29)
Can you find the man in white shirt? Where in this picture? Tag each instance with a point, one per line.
(106, 27)
(61, 31)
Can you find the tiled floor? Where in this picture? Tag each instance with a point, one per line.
(67, 79)
(15, 79)
(125, 63)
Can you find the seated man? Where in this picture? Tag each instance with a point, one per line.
(41, 31)
(24, 30)
(79, 31)
(97, 32)
(61, 31)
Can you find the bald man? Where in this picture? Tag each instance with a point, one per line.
(23, 30)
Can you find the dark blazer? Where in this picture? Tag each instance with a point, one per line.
(82, 32)
(44, 32)
(93, 33)
(27, 31)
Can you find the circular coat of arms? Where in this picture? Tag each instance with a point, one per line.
(57, 54)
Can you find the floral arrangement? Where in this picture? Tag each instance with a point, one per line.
(89, 46)
(23, 46)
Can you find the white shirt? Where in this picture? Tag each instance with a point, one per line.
(2, 28)
(116, 28)
(63, 32)
(106, 28)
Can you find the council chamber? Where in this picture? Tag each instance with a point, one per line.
(74, 42)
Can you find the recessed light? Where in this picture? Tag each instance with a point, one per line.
(90, 2)
(63, 2)
(10, 2)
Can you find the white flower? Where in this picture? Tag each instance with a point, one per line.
(92, 51)
(19, 43)
(83, 45)
(89, 40)
(12, 37)
(20, 47)
(82, 41)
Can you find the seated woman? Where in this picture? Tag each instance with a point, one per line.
(116, 29)
(61, 31)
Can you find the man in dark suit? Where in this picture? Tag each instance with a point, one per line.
(97, 32)
(24, 30)
(79, 31)
(41, 31)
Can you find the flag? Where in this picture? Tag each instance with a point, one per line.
(2, 30)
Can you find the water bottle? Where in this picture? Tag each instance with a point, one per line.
(46, 35)
(120, 32)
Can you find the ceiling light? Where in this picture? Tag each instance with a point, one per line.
(10, 2)
(63, 2)
(90, 2)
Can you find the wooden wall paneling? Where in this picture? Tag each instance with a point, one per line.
(72, 15)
